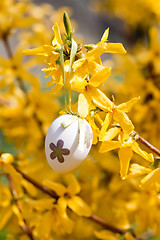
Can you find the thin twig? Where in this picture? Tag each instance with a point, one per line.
(25, 227)
(136, 136)
(10, 55)
(105, 224)
(7, 46)
(38, 185)
(93, 217)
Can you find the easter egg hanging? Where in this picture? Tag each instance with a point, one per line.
(63, 147)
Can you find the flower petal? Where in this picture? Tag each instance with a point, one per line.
(123, 120)
(79, 206)
(78, 63)
(57, 39)
(100, 99)
(17, 212)
(97, 51)
(109, 145)
(65, 220)
(50, 83)
(115, 48)
(57, 187)
(5, 196)
(16, 178)
(111, 133)
(151, 178)
(65, 151)
(57, 88)
(105, 36)
(6, 158)
(83, 106)
(60, 158)
(60, 143)
(40, 204)
(127, 107)
(148, 156)
(94, 67)
(30, 188)
(125, 154)
(45, 50)
(100, 77)
(73, 184)
(62, 202)
(5, 216)
(79, 84)
(77, 80)
(105, 125)
(52, 146)
(137, 170)
(105, 235)
(53, 155)
(128, 236)
(45, 225)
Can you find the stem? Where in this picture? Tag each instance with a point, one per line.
(7, 46)
(93, 217)
(103, 223)
(27, 230)
(69, 96)
(39, 186)
(21, 84)
(64, 78)
(136, 136)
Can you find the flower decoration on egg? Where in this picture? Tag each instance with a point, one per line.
(58, 151)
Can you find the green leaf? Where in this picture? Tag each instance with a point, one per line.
(62, 62)
(3, 234)
(5, 146)
(68, 26)
(154, 238)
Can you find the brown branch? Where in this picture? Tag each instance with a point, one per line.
(39, 186)
(7, 46)
(25, 227)
(10, 55)
(136, 136)
(105, 224)
(21, 84)
(93, 217)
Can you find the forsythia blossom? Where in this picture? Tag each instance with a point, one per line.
(36, 202)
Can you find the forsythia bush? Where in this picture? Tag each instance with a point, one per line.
(114, 193)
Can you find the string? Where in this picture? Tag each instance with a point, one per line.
(67, 85)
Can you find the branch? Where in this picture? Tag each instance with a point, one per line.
(136, 136)
(107, 225)
(25, 227)
(21, 83)
(39, 186)
(7, 46)
(93, 217)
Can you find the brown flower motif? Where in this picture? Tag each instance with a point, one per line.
(58, 151)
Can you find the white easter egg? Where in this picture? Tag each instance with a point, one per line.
(62, 147)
